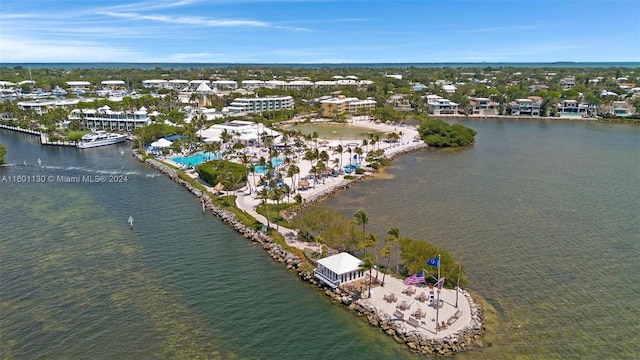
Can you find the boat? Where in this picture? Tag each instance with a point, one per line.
(100, 138)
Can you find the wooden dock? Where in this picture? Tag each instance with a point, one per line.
(44, 137)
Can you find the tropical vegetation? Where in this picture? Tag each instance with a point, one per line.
(438, 133)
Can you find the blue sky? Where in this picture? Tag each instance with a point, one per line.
(321, 31)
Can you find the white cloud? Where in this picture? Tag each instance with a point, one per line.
(188, 20)
(505, 28)
(39, 50)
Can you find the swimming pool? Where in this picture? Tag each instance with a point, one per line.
(196, 159)
(259, 169)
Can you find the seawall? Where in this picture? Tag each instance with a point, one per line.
(463, 340)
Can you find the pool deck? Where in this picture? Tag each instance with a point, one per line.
(249, 202)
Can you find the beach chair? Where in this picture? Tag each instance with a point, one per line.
(413, 322)
(398, 314)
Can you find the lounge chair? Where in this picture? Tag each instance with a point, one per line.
(398, 314)
(413, 322)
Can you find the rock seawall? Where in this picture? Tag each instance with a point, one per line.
(463, 340)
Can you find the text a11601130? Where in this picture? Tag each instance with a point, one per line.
(63, 179)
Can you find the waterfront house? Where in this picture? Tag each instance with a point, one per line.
(484, 106)
(526, 107)
(571, 108)
(441, 106)
(338, 269)
(618, 109)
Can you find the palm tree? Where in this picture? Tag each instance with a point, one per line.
(367, 264)
(339, 150)
(362, 219)
(264, 195)
(370, 242)
(393, 235)
(359, 151)
(246, 162)
(292, 171)
(385, 253)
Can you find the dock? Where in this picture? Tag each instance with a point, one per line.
(44, 137)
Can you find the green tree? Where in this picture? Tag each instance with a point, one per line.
(367, 265)
(393, 236)
(362, 219)
(385, 253)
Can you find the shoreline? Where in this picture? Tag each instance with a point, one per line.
(463, 339)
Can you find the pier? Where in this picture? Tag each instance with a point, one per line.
(44, 137)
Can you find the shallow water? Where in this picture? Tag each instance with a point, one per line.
(543, 215)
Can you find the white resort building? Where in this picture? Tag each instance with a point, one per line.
(42, 106)
(245, 132)
(104, 118)
(338, 269)
(257, 105)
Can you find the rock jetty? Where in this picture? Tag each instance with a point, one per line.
(463, 340)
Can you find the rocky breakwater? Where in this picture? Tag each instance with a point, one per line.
(276, 251)
(393, 152)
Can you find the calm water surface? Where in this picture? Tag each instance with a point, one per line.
(77, 283)
(543, 215)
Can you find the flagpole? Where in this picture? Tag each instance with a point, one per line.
(438, 297)
(458, 283)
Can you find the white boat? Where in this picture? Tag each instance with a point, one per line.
(100, 138)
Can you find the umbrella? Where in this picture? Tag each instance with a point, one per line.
(161, 143)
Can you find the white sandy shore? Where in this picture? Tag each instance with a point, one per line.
(249, 202)
(322, 189)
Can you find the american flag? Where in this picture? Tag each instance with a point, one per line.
(415, 279)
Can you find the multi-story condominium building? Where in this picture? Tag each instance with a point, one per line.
(526, 107)
(484, 106)
(224, 84)
(342, 105)
(441, 106)
(257, 105)
(40, 107)
(104, 118)
(571, 108)
(155, 83)
(113, 84)
(567, 83)
(82, 85)
(252, 84)
(193, 84)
